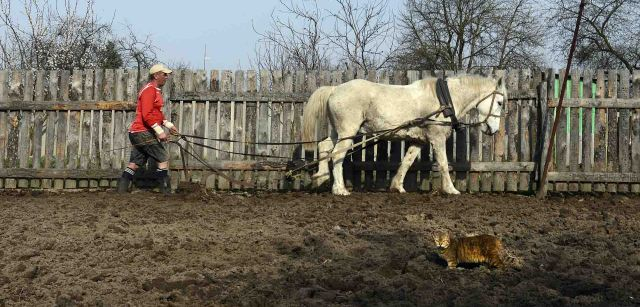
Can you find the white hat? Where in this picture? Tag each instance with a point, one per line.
(159, 68)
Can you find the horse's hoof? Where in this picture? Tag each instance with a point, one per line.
(340, 191)
(452, 192)
(400, 190)
(320, 180)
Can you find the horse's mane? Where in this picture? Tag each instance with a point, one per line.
(470, 81)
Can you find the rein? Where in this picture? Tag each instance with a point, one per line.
(491, 114)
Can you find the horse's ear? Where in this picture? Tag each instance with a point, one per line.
(500, 81)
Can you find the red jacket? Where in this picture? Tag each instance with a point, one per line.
(149, 110)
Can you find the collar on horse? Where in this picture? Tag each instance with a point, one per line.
(444, 97)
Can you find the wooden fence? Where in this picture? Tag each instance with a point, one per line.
(62, 129)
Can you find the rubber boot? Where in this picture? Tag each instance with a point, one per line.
(125, 180)
(123, 185)
(164, 183)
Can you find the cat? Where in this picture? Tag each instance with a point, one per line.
(486, 249)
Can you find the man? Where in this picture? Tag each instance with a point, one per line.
(146, 132)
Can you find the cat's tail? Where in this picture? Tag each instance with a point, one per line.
(511, 260)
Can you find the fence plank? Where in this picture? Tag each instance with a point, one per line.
(525, 129)
(107, 120)
(251, 135)
(85, 140)
(85, 143)
(635, 131)
(29, 85)
(22, 84)
(95, 151)
(86, 118)
(513, 109)
(4, 89)
(174, 110)
(4, 76)
(297, 153)
(587, 129)
(239, 122)
(624, 132)
(575, 138)
(276, 117)
(600, 135)
(263, 126)
(38, 133)
(12, 145)
(239, 118)
(225, 128)
(561, 138)
(62, 127)
(4, 135)
(52, 117)
(475, 147)
(119, 143)
(613, 164)
(39, 128)
(39, 123)
(24, 143)
(544, 125)
(16, 86)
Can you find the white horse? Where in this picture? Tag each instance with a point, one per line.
(364, 106)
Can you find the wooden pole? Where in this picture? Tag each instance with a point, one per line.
(542, 186)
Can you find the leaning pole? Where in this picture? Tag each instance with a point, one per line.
(542, 184)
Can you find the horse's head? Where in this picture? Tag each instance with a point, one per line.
(490, 108)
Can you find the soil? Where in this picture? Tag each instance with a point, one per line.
(292, 249)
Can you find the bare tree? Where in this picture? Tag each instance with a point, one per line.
(465, 34)
(64, 34)
(306, 36)
(519, 35)
(137, 52)
(59, 36)
(294, 39)
(363, 33)
(609, 34)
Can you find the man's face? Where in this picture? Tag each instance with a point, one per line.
(161, 78)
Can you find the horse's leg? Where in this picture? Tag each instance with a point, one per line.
(339, 152)
(397, 183)
(439, 148)
(324, 149)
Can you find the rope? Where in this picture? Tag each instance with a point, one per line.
(234, 152)
(213, 169)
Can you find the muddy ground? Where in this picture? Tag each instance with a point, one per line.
(292, 249)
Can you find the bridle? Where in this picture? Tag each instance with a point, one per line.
(491, 114)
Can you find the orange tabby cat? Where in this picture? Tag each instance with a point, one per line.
(476, 249)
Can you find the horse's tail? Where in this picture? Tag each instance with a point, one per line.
(315, 113)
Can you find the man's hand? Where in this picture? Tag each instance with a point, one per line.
(173, 130)
(162, 137)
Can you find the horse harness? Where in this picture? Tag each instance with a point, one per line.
(448, 110)
(446, 105)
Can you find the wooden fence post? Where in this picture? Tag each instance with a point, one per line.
(635, 131)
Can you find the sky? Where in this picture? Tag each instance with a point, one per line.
(182, 28)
